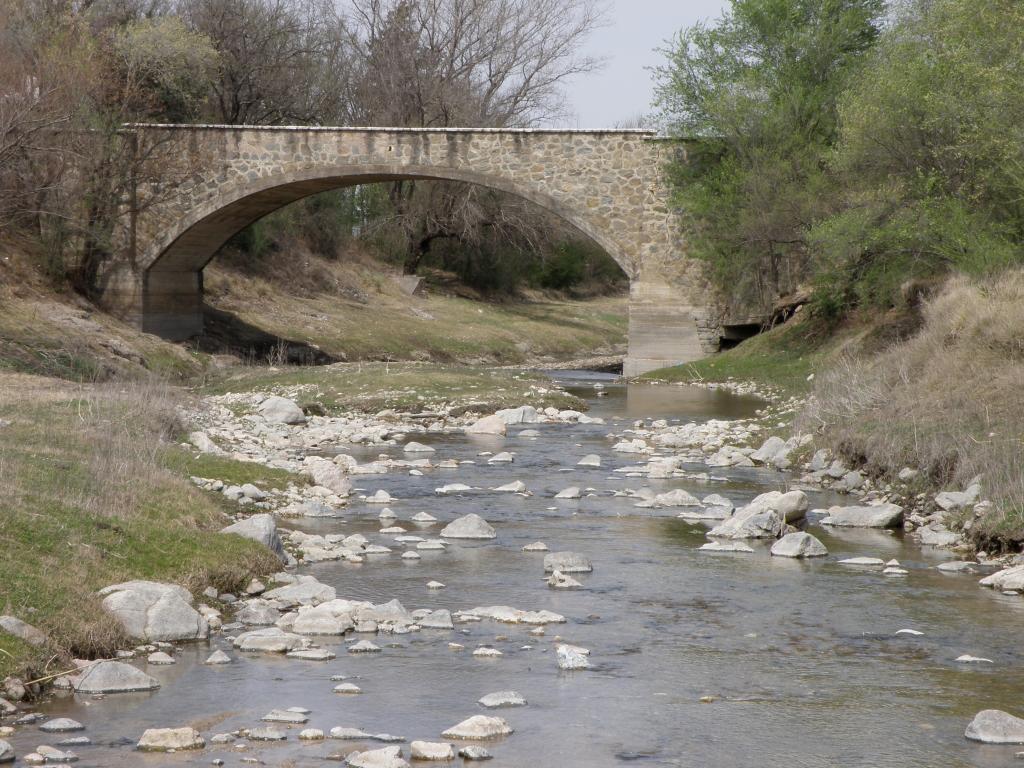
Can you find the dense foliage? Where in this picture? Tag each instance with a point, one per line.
(847, 151)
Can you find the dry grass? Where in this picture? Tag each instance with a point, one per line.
(88, 501)
(948, 400)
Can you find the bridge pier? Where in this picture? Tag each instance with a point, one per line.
(663, 329)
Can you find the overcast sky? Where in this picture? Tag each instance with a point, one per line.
(623, 89)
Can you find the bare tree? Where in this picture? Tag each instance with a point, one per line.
(281, 61)
(466, 63)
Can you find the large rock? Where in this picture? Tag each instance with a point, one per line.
(281, 410)
(488, 425)
(387, 757)
(524, 414)
(260, 528)
(502, 699)
(954, 500)
(204, 444)
(799, 544)
(470, 526)
(155, 612)
(431, 750)
(21, 630)
(791, 506)
(749, 523)
(993, 726)
(479, 728)
(571, 657)
(168, 739)
(1008, 578)
(938, 535)
(567, 562)
(6, 752)
(330, 476)
(114, 677)
(880, 516)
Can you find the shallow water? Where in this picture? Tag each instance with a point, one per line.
(801, 657)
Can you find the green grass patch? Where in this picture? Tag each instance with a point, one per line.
(89, 503)
(783, 358)
(183, 461)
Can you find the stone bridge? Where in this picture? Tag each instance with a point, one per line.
(606, 183)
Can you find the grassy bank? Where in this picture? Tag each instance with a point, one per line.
(355, 311)
(947, 401)
(783, 358)
(94, 493)
(372, 387)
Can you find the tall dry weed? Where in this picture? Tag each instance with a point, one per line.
(949, 401)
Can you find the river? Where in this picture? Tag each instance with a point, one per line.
(800, 659)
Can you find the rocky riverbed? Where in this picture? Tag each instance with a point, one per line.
(654, 579)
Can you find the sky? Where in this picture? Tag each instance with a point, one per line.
(635, 28)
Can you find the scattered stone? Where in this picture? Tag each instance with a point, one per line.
(567, 562)
(439, 619)
(968, 659)
(363, 646)
(268, 733)
(450, 488)
(413, 447)
(537, 546)
(516, 486)
(726, 546)
(170, 739)
(488, 425)
(798, 544)
(957, 566)
(501, 458)
(218, 657)
(435, 585)
(911, 632)
(311, 734)
(423, 517)
(590, 460)
(572, 657)
(61, 725)
(572, 492)
(880, 516)
(347, 688)
(870, 562)
(160, 658)
(487, 653)
(470, 526)
(559, 580)
(474, 753)
(431, 750)
(285, 716)
(478, 728)
(21, 630)
(54, 755)
(1005, 580)
(270, 640)
(386, 757)
(114, 677)
(502, 699)
(312, 654)
(380, 497)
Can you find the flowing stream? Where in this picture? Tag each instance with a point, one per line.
(801, 658)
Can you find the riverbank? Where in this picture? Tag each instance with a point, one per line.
(93, 495)
(921, 404)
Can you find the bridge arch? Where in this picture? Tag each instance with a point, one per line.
(607, 184)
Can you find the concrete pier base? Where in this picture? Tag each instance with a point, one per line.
(663, 331)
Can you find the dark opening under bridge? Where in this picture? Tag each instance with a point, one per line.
(606, 183)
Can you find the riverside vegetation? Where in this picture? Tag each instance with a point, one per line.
(864, 159)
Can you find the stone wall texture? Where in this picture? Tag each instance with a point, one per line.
(608, 184)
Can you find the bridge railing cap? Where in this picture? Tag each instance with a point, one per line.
(641, 132)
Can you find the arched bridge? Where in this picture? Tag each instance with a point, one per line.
(608, 184)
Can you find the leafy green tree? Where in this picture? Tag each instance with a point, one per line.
(755, 94)
(931, 154)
